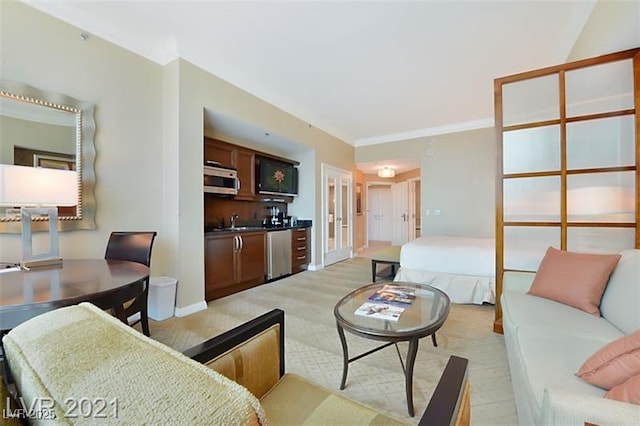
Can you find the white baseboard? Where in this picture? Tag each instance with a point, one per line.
(191, 309)
(312, 267)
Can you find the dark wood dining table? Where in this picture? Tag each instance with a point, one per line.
(107, 284)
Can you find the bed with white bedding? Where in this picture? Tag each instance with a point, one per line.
(462, 267)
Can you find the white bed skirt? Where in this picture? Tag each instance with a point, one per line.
(459, 288)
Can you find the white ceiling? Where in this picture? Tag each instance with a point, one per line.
(365, 72)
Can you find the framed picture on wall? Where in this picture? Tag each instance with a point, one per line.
(358, 199)
(54, 162)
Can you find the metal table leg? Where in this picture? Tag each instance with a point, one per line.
(408, 374)
(345, 357)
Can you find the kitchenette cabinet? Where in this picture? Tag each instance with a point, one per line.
(241, 159)
(233, 262)
(245, 164)
(300, 249)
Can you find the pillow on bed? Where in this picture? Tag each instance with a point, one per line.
(575, 279)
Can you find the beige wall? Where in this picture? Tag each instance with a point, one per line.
(612, 26)
(457, 179)
(149, 121)
(43, 52)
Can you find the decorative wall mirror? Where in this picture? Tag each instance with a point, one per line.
(51, 130)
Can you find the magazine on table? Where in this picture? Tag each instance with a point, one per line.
(396, 295)
(383, 311)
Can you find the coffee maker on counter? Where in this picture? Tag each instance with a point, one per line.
(277, 218)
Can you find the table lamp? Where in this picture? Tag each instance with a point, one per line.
(38, 192)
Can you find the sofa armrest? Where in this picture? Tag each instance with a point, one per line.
(450, 403)
(560, 407)
(251, 354)
(517, 281)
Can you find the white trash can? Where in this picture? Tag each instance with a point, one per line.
(162, 297)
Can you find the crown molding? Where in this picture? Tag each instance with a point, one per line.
(431, 131)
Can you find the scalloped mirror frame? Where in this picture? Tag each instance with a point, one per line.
(85, 155)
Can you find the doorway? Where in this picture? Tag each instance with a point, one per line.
(379, 212)
(337, 217)
(393, 212)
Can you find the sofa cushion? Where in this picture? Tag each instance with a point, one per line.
(524, 310)
(548, 361)
(629, 391)
(621, 301)
(575, 279)
(82, 352)
(315, 405)
(614, 363)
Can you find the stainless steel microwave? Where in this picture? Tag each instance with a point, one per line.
(220, 180)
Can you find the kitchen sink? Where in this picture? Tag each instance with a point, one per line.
(242, 228)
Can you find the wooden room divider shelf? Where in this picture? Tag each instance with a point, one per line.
(567, 160)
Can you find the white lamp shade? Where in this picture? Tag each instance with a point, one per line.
(36, 186)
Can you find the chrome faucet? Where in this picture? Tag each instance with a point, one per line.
(233, 220)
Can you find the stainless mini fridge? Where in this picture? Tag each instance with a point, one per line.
(278, 253)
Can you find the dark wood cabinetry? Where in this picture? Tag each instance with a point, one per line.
(300, 249)
(243, 160)
(220, 152)
(245, 164)
(233, 262)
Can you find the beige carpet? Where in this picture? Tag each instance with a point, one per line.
(313, 348)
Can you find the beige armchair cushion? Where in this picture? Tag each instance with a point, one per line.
(296, 401)
(96, 356)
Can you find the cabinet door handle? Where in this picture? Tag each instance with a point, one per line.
(301, 248)
(301, 238)
(241, 242)
(236, 244)
(301, 257)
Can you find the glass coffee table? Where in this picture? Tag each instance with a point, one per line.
(424, 311)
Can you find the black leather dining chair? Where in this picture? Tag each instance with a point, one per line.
(134, 247)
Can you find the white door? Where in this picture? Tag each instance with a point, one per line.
(414, 209)
(379, 212)
(337, 214)
(400, 216)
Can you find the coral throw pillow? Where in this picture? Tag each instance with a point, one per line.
(613, 364)
(575, 279)
(628, 391)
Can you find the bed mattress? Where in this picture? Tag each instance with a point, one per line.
(463, 267)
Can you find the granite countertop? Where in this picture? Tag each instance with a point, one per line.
(218, 231)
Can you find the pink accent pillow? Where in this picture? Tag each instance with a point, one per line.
(613, 364)
(628, 391)
(575, 279)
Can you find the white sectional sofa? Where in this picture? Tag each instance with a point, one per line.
(547, 342)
